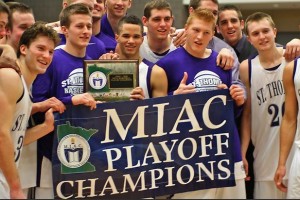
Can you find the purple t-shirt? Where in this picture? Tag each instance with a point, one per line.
(204, 74)
(109, 42)
(94, 50)
(63, 78)
(106, 27)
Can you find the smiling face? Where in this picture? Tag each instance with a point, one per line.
(79, 32)
(159, 23)
(130, 39)
(117, 8)
(38, 55)
(98, 10)
(230, 26)
(20, 22)
(3, 24)
(261, 34)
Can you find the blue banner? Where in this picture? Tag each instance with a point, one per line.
(135, 149)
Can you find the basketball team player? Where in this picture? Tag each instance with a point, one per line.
(190, 61)
(263, 110)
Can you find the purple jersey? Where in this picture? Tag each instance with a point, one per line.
(109, 42)
(106, 27)
(204, 74)
(94, 50)
(63, 78)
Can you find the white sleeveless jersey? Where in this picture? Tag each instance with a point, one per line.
(297, 91)
(267, 103)
(147, 53)
(19, 126)
(145, 68)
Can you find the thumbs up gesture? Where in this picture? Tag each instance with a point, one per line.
(183, 88)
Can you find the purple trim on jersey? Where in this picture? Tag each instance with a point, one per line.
(179, 61)
(109, 42)
(150, 66)
(106, 27)
(295, 66)
(95, 48)
(250, 71)
(21, 97)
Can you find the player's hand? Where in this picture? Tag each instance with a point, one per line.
(137, 94)
(279, 174)
(246, 167)
(17, 194)
(179, 38)
(49, 120)
(222, 86)
(110, 56)
(237, 94)
(53, 103)
(225, 59)
(84, 99)
(183, 88)
(292, 50)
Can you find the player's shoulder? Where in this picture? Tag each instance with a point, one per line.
(10, 84)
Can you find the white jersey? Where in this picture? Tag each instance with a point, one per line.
(267, 103)
(147, 53)
(294, 174)
(145, 68)
(28, 166)
(20, 121)
(297, 91)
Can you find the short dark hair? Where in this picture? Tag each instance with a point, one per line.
(231, 7)
(17, 7)
(4, 8)
(130, 19)
(36, 30)
(196, 3)
(156, 4)
(70, 10)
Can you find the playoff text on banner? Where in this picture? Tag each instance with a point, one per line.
(135, 149)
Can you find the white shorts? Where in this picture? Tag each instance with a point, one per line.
(294, 177)
(45, 191)
(236, 192)
(267, 190)
(4, 189)
(28, 166)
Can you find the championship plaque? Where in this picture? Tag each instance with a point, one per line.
(110, 80)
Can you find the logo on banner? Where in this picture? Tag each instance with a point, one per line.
(97, 80)
(73, 151)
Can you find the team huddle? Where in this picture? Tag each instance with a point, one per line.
(41, 71)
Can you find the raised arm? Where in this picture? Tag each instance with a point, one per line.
(292, 49)
(288, 125)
